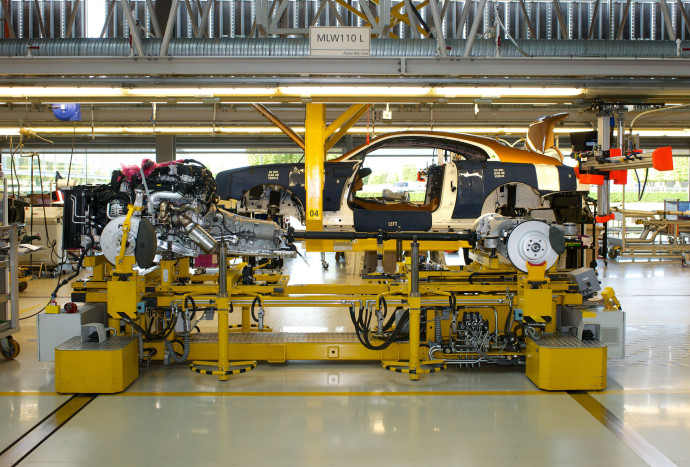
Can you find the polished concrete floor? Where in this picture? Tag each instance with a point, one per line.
(359, 414)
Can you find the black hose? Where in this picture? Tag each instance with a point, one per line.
(76, 273)
(147, 335)
(254, 302)
(506, 329)
(391, 320)
(362, 323)
(191, 299)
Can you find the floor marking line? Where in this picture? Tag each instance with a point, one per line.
(640, 446)
(30, 308)
(17, 451)
(338, 393)
(645, 391)
(29, 393)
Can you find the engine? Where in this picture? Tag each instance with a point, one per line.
(177, 216)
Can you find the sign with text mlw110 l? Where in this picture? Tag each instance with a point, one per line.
(339, 42)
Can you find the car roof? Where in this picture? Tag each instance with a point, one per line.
(450, 141)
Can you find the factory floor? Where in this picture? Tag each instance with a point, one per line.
(360, 414)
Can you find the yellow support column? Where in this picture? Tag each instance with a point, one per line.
(415, 315)
(223, 337)
(315, 155)
(246, 319)
(224, 368)
(414, 367)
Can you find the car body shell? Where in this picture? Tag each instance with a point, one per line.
(485, 175)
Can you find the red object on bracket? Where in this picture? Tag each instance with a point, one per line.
(604, 219)
(619, 177)
(591, 179)
(615, 152)
(662, 159)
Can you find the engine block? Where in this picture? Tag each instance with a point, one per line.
(179, 215)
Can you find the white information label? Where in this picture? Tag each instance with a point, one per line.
(339, 42)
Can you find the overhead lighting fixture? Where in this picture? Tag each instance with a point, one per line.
(253, 130)
(489, 92)
(339, 91)
(200, 92)
(58, 91)
(685, 132)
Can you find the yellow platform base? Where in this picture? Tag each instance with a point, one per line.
(104, 368)
(564, 363)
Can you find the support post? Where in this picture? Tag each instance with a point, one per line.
(39, 17)
(415, 312)
(315, 154)
(412, 18)
(375, 27)
(624, 19)
(334, 9)
(525, 15)
(561, 20)
(111, 8)
(604, 141)
(165, 148)
(438, 26)
(686, 20)
(70, 21)
(9, 30)
(472, 36)
(603, 191)
(343, 127)
(133, 30)
(463, 18)
(279, 14)
(385, 17)
(594, 20)
(223, 310)
(297, 139)
(322, 6)
(191, 19)
(204, 17)
(667, 19)
(165, 43)
(154, 18)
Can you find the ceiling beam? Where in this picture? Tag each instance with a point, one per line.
(468, 67)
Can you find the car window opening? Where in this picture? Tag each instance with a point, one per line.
(386, 183)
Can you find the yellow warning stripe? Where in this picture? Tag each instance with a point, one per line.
(403, 368)
(30, 308)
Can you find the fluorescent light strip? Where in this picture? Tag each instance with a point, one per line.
(267, 130)
(283, 91)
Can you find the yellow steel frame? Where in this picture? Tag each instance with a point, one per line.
(124, 289)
